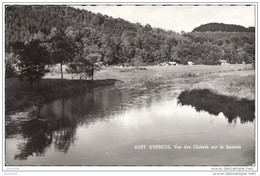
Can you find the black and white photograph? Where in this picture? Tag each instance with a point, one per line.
(137, 84)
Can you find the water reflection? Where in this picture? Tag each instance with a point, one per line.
(215, 104)
(102, 127)
(56, 122)
(37, 136)
(42, 129)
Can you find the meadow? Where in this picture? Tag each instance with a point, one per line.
(235, 80)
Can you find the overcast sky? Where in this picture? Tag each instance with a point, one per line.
(179, 18)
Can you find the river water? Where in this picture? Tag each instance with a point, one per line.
(113, 126)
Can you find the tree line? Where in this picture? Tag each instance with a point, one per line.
(116, 41)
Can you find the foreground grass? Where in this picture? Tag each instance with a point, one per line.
(20, 95)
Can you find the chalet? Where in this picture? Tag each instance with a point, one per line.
(173, 63)
(190, 63)
(163, 64)
(223, 62)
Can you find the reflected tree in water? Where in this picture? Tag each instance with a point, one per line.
(214, 104)
(41, 131)
(65, 132)
(37, 137)
(55, 123)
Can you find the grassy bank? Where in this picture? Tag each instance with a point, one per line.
(214, 104)
(236, 80)
(235, 85)
(20, 94)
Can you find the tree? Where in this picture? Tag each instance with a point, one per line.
(91, 60)
(33, 57)
(10, 62)
(62, 47)
(74, 69)
(84, 66)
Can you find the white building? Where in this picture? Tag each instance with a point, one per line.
(173, 63)
(223, 62)
(190, 63)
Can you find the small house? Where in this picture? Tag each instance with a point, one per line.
(163, 64)
(173, 63)
(190, 63)
(223, 62)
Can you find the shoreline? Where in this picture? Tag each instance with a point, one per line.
(236, 80)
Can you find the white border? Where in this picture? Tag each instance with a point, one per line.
(68, 169)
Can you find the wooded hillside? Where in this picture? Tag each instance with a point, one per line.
(220, 27)
(117, 41)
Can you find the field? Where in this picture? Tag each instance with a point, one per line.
(232, 80)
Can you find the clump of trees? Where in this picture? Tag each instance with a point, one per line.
(34, 58)
(84, 67)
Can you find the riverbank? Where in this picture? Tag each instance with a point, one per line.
(235, 80)
(20, 95)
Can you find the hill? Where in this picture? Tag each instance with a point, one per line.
(221, 27)
(118, 41)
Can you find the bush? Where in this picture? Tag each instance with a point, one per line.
(10, 71)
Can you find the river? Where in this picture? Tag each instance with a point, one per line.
(115, 126)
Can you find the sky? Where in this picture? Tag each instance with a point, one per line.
(178, 18)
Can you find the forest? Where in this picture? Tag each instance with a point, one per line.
(216, 27)
(115, 41)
